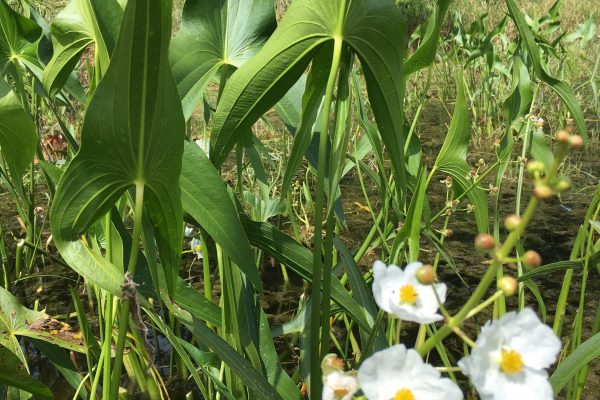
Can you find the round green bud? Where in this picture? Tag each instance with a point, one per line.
(542, 192)
(535, 166)
(508, 285)
(576, 142)
(426, 274)
(562, 136)
(512, 222)
(531, 259)
(563, 184)
(484, 242)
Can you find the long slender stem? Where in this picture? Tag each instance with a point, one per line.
(126, 303)
(315, 375)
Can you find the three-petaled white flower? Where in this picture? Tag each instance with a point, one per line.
(400, 374)
(337, 384)
(399, 292)
(196, 246)
(511, 356)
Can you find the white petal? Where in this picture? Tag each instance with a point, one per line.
(339, 380)
(529, 384)
(539, 346)
(387, 371)
(411, 269)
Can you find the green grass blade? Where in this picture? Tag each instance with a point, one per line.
(362, 294)
(582, 356)
(299, 259)
(205, 198)
(255, 381)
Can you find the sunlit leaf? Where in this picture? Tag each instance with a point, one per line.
(582, 356)
(80, 24)
(17, 37)
(374, 30)
(216, 33)
(17, 320)
(18, 136)
(453, 155)
(425, 54)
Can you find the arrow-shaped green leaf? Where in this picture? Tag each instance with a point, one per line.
(452, 158)
(215, 33)
(132, 135)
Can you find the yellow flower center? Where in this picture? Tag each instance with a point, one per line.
(408, 294)
(197, 248)
(404, 394)
(339, 393)
(511, 362)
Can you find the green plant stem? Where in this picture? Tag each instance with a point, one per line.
(528, 133)
(19, 258)
(126, 303)
(315, 368)
(206, 268)
(326, 295)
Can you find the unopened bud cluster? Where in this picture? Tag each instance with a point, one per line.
(544, 189)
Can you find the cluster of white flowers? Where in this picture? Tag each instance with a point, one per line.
(508, 362)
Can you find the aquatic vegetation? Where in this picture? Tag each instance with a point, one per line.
(212, 202)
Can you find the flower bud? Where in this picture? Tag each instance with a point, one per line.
(562, 136)
(576, 142)
(331, 362)
(563, 184)
(531, 259)
(535, 166)
(542, 192)
(484, 242)
(426, 274)
(508, 285)
(512, 222)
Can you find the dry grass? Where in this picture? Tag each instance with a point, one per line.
(571, 12)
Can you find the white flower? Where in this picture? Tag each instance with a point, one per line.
(510, 358)
(400, 293)
(400, 374)
(337, 384)
(196, 247)
(540, 122)
(188, 231)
